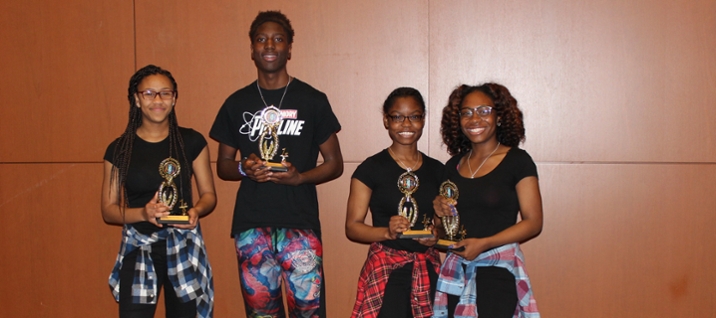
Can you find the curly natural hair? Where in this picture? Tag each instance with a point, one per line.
(275, 17)
(510, 132)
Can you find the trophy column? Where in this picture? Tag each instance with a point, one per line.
(268, 141)
(169, 169)
(451, 223)
(408, 183)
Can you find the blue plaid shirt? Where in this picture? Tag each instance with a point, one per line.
(187, 265)
(455, 280)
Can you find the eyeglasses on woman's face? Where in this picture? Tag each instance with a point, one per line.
(401, 118)
(482, 111)
(150, 94)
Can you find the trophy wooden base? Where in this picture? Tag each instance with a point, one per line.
(411, 234)
(445, 245)
(276, 167)
(174, 219)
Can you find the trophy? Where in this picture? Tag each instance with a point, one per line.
(169, 169)
(451, 223)
(408, 183)
(268, 146)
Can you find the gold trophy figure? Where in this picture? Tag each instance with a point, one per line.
(169, 169)
(408, 183)
(268, 146)
(451, 223)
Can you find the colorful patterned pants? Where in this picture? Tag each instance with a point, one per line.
(269, 256)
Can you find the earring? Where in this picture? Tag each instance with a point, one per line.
(499, 124)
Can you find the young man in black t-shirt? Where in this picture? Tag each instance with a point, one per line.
(275, 225)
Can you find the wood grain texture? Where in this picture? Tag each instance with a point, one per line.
(618, 100)
(57, 251)
(65, 67)
(597, 81)
(625, 240)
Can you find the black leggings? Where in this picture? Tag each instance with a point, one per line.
(173, 305)
(496, 293)
(398, 290)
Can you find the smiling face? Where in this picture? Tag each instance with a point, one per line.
(405, 121)
(270, 49)
(477, 128)
(158, 108)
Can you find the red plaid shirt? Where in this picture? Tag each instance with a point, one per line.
(374, 276)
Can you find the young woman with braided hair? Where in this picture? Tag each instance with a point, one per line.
(483, 273)
(154, 151)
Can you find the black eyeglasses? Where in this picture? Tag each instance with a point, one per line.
(401, 118)
(151, 94)
(482, 111)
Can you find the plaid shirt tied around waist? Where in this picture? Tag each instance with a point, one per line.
(376, 271)
(454, 280)
(187, 265)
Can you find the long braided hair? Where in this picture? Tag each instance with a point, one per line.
(511, 132)
(123, 148)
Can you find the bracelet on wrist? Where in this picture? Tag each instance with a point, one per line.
(241, 168)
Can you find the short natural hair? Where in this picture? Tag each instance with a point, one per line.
(403, 92)
(271, 16)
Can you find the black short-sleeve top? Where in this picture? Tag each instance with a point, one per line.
(143, 178)
(488, 204)
(380, 173)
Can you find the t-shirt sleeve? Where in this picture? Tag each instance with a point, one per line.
(363, 174)
(195, 143)
(109, 152)
(326, 121)
(524, 166)
(223, 130)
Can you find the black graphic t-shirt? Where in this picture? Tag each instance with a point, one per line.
(308, 121)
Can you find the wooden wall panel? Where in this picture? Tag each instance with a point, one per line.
(626, 223)
(598, 81)
(202, 46)
(343, 259)
(65, 70)
(57, 251)
(625, 240)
